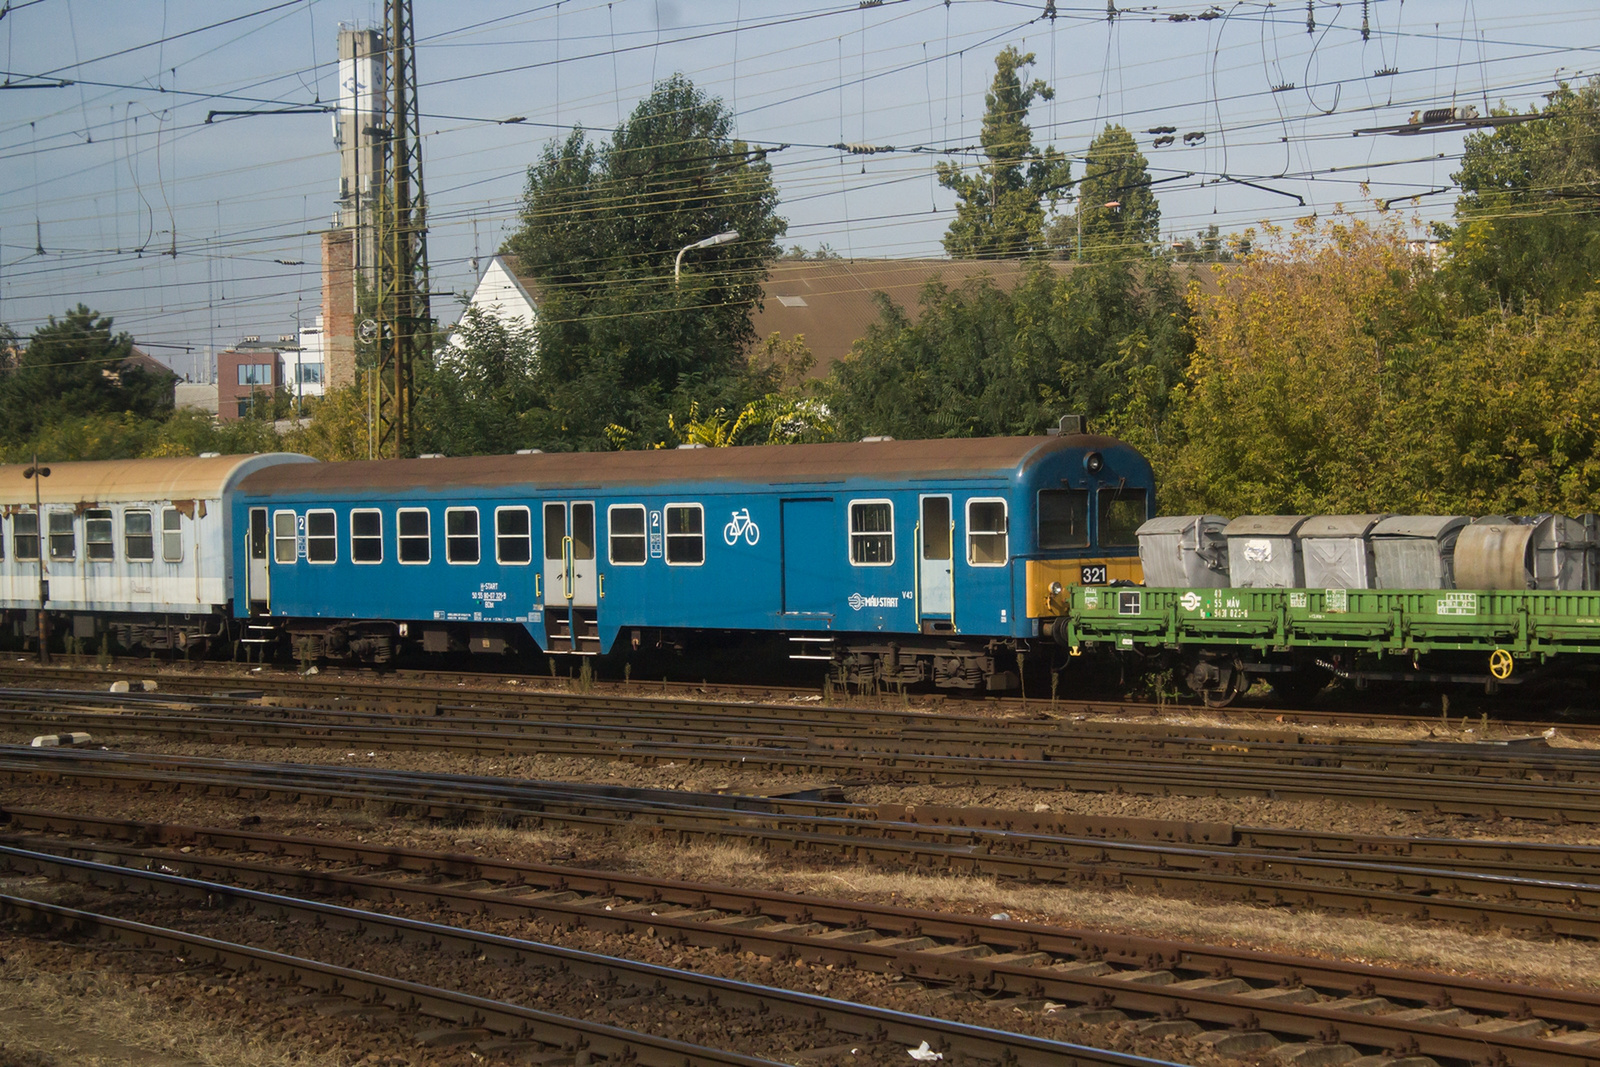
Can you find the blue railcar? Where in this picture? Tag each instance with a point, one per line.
(896, 560)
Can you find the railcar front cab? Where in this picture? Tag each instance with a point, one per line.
(1088, 505)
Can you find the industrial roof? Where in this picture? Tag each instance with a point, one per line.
(122, 480)
(768, 464)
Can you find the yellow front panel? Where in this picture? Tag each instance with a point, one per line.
(1069, 572)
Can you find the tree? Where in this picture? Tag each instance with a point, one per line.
(472, 400)
(1105, 340)
(1118, 214)
(620, 340)
(1000, 209)
(76, 366)
(1305, 357)
(1528, 219)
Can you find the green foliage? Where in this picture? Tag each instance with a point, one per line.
(338, 428)
(1335, 373)
(474, 400)
(1000, 210)
(981, 360)
(1528, 228)
(1119, 213)
(619, 342)
(74, 368)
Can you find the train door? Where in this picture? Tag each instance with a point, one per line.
(936, 566)
(257, 591)
(571, 577)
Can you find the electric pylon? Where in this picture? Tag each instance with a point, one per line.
(404, 322)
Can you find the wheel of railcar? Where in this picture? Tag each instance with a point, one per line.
(1227, 694)
(1218, 679)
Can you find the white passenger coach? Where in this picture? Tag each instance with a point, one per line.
(134, 548)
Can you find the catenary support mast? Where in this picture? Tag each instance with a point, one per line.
(404, 322)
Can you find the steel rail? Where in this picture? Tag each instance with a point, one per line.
(1546, 905)
(1226, 775)
(335, 687)
(954, 1039)
(607, 731)
(562, 884)
(462, 1009)
(1208, 999)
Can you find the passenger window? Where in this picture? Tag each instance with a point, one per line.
(63, 536)
(1063, 518)
(366, 536)
(686, 538)
(25, 535)
(555, 531)
(415, 540)
(1122, 512)
(936, 528)
(513, 535)
(138, 539)
(627, 537)
(98, 539)
(284, 549)
(986, 533)
(172, 536)
(583, 531)
(461, 535)
(322, 537)
(871, 533)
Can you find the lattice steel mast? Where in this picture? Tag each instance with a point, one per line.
(404, 322)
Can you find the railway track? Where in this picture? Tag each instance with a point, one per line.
(817, 1020)
(1245, 1002)
(1545, 890)
(1111, 715)
(1527, 780)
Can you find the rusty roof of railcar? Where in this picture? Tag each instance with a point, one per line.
(798, 464)
(117, 480)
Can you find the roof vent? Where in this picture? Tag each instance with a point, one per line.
(431, 455)
(210, 455)
(692, 445)
(875, 440)
(1070, 424)
(793, 301)
(530, 451)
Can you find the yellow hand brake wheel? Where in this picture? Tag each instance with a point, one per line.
(1500, 664)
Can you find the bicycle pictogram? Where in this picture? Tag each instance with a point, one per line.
(741, 526)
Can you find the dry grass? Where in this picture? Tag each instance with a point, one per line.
(104, 1020)
(1564, 963)
(1435, 947)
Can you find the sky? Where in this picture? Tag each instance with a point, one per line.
(119, 194)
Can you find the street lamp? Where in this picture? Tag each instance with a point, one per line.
(709, 242)
(38, 474)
